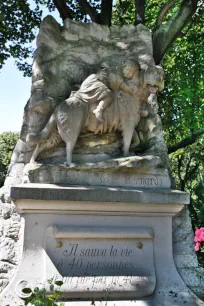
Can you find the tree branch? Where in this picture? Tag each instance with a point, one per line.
(63, 9)
(139, 11)
(165, 35)
(89, 10)
(185, 142)
(163, 12)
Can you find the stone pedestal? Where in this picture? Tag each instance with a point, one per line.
(111, 245)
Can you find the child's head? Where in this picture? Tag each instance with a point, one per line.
(129, 68)
(154, 77)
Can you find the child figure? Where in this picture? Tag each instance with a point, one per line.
(97, 88)
(152, 78)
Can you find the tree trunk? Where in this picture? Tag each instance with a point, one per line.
(63, 9)
(106, 12)
(165, 35)
(139, 11)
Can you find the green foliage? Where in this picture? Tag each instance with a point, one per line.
(182, 102)
(76, 11)
(7, 144)
(38, 297)
(20, 19)
(17, 24)
(188, 169)
(187, 166)
(124, 13)
(182, 109)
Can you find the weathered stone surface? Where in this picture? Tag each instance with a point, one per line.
(15, 170)
(12, 227)
(101, 194)
(141, 163)
(5, 195)
(80, 241)
(111, 99)
(7, 270)
(194, 279)
(7, 210)
(7, 250)
(101, 267)
(128, 172)
(9, 234)
(68, 63)
(54, 76)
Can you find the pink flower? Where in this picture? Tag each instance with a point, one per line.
(199, 235)
(199, 238)
(196, 239)
(197, 246)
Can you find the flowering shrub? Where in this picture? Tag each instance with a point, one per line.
(199, 238)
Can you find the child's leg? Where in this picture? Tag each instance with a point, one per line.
(103, 104)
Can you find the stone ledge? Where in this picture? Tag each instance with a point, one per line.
(134, 171)
(98, 194)
(42, 198)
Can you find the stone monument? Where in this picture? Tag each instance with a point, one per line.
(95, 194)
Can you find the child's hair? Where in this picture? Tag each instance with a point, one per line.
(130, 62)
(129, 67)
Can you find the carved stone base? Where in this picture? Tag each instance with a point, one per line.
(135, 171)
(112, 246)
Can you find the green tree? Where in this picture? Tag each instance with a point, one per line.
(17, 24)
(166, 18)
(187, 166)
(7, 144)
(182, 101)
(182, 109)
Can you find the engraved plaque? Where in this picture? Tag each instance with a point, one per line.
(101, 261)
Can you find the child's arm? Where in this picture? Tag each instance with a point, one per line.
(128, 88)
(118, 82)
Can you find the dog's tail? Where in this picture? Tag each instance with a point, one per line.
(43, 135)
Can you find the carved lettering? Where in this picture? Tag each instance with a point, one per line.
(143, 181)
(71, 252)
(93, 252)
(113, 252)
(126, 252)
(105, 178)
(93, 281)
(101, 265)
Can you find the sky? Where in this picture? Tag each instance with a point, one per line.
(14, 92)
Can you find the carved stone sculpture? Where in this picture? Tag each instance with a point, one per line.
(102, 94)
(66, 55)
